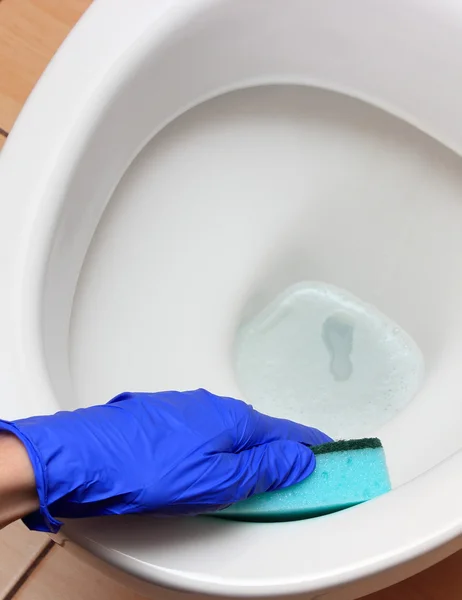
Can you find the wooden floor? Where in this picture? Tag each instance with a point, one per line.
(31, 567)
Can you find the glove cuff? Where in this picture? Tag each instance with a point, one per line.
(40, 520)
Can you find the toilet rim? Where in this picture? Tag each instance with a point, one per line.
(377, 546)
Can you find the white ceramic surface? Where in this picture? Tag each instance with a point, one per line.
(126, 71)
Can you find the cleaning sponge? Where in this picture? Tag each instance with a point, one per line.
(347, 473)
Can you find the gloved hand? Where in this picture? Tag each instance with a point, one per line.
(166, 453)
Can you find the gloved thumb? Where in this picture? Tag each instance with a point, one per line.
(272, 466)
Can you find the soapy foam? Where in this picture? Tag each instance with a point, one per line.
(321, 356)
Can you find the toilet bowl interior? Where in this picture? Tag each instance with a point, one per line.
(247, 194)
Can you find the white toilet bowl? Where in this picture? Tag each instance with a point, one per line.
(135, 236)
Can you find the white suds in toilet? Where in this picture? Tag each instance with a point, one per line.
(321, 356)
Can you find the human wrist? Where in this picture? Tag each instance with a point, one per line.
(69, 456)
(25, 432)
(18, 495)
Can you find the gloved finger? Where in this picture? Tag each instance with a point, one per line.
(260, 429)
(271, 467)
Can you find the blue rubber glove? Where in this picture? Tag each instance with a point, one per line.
(170, 453)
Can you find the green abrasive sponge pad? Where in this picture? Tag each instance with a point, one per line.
(347, 473)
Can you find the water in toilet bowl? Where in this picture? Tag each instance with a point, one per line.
(319, 355)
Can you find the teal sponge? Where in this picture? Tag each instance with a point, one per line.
(347, 473)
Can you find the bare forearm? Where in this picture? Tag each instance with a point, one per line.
(18, 496)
